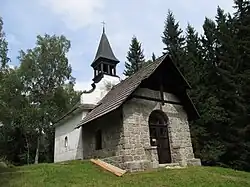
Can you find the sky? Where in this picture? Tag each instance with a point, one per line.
(80, 21)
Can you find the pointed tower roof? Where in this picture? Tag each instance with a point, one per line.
(104, 50)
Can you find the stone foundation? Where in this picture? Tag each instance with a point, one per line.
(137, 165)
(126, 136)
(194, 162)
(137, 148)
(152, 156)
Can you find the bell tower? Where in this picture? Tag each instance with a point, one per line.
(105, 61)
(105, 75)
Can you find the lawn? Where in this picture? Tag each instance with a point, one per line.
(84, 173)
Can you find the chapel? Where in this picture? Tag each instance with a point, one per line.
(138, 123)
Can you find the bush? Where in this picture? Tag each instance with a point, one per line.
(4, 163)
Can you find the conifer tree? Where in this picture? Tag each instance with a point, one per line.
(242, 58)
(193, 72)
(194, 62)
(153, 57)
(174, 40)
(135, 58)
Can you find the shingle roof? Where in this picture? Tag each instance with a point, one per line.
(117, 96)
(77, 106)
(104, 50)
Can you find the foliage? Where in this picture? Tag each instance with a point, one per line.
(217, 66)
(215, 63)
(4, 59)
(174, 40)
(153, 57)
(32, 96)
(135, 58)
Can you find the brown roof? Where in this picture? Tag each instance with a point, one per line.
(117, 95)
(77, 106)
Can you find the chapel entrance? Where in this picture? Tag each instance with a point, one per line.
(158, 128)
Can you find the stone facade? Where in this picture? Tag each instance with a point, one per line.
(136, 114)
(122, 135)
(112, 138)
(126, 137)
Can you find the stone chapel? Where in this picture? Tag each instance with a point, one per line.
(138, 123)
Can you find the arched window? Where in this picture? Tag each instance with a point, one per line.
(98, 140)
(66, 141)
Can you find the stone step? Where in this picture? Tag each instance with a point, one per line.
(169, 165)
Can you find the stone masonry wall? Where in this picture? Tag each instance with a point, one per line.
(112, 138)
(138, 154)
(125, 134)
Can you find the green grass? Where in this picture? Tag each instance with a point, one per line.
(83, 173)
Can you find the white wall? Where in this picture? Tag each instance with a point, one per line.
(100, 90)
(67, 129)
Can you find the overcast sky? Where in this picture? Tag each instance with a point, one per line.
(80, 21)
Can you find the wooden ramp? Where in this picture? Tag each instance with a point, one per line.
(113, 169)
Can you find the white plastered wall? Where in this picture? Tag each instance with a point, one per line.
(100, 91)
(73, 150)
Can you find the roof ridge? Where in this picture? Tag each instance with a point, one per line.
(144, 67)
(132, 76)
(115, 97)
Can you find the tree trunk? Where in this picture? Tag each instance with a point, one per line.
(28, 150)
(37, 149)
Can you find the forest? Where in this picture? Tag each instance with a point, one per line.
(216, 63)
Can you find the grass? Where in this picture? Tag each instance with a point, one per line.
(84, 173)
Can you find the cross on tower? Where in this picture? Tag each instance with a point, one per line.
(103, 26)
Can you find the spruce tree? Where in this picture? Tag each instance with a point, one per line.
(150, 60)
(153, 57)
(194, 62)
(174, 40)
(229, 61)
(193, 72)
(242, 58)
(135, 58)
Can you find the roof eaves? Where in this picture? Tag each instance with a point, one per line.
(147, 72)
(77, 107)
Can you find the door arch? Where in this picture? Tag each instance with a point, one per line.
(158, 129)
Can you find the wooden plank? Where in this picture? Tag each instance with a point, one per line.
(105, 166)
(155, 99)
(162, 95)
(113, 169)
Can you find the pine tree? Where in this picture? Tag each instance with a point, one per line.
(194, 61)
(174, 40)
(193, 73)
(153, 57)
(241, 22)
(135, 58)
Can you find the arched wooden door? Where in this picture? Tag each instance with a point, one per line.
(158, 128)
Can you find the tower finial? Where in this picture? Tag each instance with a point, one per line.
(103, 26)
